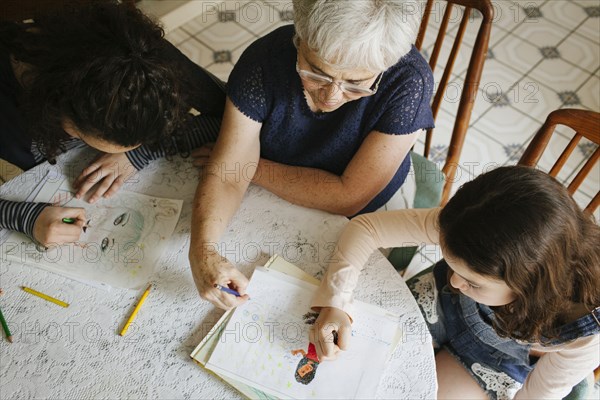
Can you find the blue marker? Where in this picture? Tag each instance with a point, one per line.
(227, 290)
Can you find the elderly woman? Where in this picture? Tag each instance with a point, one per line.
(326, 111)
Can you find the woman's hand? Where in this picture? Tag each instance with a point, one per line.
(333, 330)
(213, 269)
(49, 229)
(111, 170)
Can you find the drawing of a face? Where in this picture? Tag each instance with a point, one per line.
(115, 232)
(306, 370)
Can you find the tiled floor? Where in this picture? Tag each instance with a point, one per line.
(544, 55)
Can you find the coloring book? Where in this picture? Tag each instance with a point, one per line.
(262, 347)
(123, 238)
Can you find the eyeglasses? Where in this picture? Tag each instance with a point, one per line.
(349, 88)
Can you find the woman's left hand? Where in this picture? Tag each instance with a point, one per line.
(111, 171)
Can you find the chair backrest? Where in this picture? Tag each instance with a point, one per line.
(472, 74)
(586, 124)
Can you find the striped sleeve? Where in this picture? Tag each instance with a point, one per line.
(201, 130)
(20, 216)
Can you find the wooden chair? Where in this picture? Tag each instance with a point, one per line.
(586, 124)
(432, 186)
(472, 74)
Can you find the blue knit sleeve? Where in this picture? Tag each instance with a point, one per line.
(246, 84)
(409, 108)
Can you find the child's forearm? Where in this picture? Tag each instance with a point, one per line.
(362, 236)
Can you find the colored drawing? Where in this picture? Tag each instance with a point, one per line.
(265, 344)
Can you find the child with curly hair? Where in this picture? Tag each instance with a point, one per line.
(100, 75)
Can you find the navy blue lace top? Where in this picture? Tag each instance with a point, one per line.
(265, 86)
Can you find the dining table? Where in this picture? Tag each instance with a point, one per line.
(77, 352)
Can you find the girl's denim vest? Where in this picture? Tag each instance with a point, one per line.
(466, 330)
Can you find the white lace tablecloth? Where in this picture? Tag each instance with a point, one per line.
(77, 353)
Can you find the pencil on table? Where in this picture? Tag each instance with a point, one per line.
(135, 310)
(45, 297)
(5, 327)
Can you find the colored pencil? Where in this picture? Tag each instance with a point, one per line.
(45, 297)
(135, 310)
(5, 327)
(227, 290)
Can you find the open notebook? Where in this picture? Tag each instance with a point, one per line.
(262, 347)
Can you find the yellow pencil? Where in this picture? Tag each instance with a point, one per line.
(45, 297)
(135, 310)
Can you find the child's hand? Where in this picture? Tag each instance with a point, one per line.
(112, 170)
(333, 330)
(50, 229)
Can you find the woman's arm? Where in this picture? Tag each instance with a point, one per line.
(219, 194)
(367, 174)
(561, 368)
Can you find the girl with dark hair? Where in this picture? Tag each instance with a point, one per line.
(101, 75)
(514, 306)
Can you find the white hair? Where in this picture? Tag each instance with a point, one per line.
(358, 34)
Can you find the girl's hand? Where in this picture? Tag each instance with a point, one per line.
(111, 170)
(49, 229)
(333, 330)
(201, 155)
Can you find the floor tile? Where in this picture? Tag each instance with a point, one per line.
(507, 14)
(257, 17)
(470, 35)
(589, 94)
(507, 127)
(177, 36)
(576, 50)
(497, 80)
(559, 75)
(534, 99)
(226, 36)
(462, 58)
(517, 54)
(565, 13)
(208, 18)
(452, 97)
(197, 51)
(541, 32)
(590, 29)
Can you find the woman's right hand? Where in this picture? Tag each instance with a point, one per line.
(333, 330)
(210, 269)
(49, 228)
